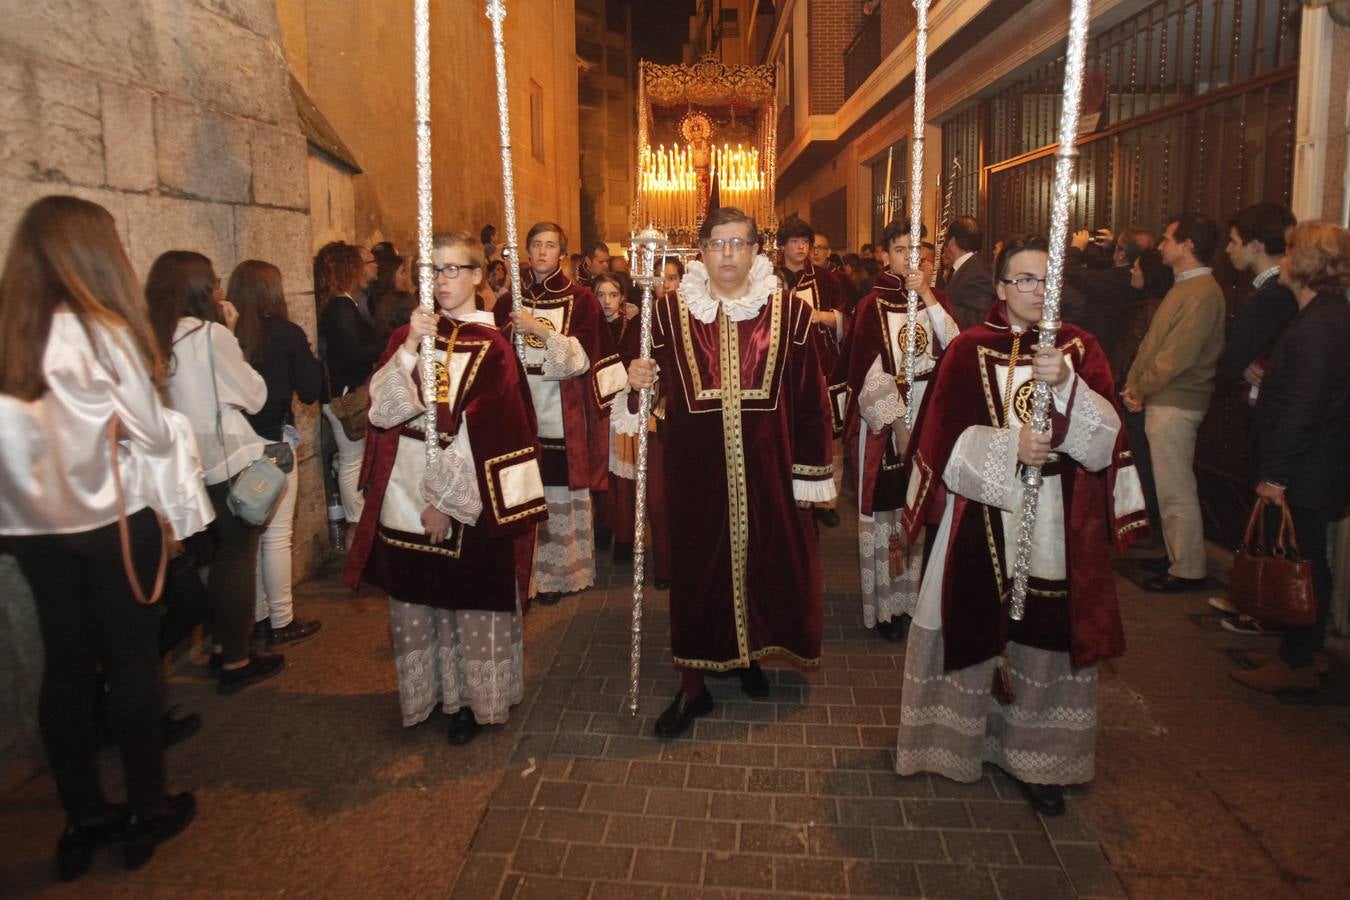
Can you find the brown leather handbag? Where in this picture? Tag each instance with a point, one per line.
(1272, 585)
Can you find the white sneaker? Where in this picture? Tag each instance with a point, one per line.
(1221, 604)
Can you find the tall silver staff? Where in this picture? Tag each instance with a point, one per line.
(1054, 275)
(912, 305)
(496, 11)
(647, 255)
(426, 288)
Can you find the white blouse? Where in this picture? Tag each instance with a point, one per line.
(55, 469)
(238, 386)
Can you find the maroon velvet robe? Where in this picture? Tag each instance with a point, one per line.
(476, 566)
(820, 289)
(746, 413)
(1080, 616)
(580, 459)
(883, 479)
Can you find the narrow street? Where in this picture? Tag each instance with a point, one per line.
(307, 786)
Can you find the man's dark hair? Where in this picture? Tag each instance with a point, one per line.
(794, 227)
(899, 228)
(1200, 231)
(866, 249)
(965, 230)
(488, 234)
(1266, 222)
(836, 260)
(726, 215)
(539, 228)
(598, 245)
(1134, 241)
(928, 245)
(1158, 277)
(576, 259)
(677, 263)
(851, 260)
(1015, 244)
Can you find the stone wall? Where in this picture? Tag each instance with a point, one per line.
(177, 117)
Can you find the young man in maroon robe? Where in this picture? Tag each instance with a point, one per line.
(873, 388)
(574, 372)
(980, 687)
(817, 287)
(747, 448)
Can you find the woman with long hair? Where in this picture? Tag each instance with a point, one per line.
(79, 359)
(212, 384)
(278, 349)
(349, 347)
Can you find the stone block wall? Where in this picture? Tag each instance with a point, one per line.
(176, 116)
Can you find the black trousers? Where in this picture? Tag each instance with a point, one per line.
(88, 616)
(233, 577)
(1298, 645)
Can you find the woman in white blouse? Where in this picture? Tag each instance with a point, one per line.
(214, 386)
(78, 359)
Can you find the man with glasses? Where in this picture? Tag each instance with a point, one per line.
(747, 444)
(819, 289)
(574, 371)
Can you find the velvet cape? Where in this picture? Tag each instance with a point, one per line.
(1085, 623)
(479, 566)
(820, 288)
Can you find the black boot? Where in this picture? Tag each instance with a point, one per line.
(463, 727)
(144, 832)
(75, 849)
(754, 683)
(1046, 799)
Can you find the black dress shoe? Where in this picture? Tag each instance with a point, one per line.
(754, 683)
(682, 712)
(144, 832)
(661, 584)
(463, 727)
(262, 630)
(75, 849)
(623, 553)
(176, 729)
(548, 598)
(894, 630)
(1156, 564)
(1046, 799)
(1167, 583)
(258, 668)
(828, 517)
(293, 633)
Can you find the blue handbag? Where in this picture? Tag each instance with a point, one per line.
(255, 492)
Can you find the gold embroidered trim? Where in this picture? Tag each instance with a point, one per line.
(809, 662)
(733, 447)
(808, 471)
(497, 461)
(604, 402)
(764, 391)
(456, 535)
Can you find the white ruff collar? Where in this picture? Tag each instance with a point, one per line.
(696, 292)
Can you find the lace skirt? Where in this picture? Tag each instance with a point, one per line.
(564, 555)
(951, 724)
(886, 598)
(457, 658)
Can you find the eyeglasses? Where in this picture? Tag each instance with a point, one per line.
(1025, 284)
(451, 270)
(720, 245)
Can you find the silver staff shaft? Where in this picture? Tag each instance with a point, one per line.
(426, 288)
(1054, 278)
(648, 262)
(496, 11)
(912, 304)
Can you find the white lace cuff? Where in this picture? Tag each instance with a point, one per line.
(622, 420)
(564, 357)
(450, 484)
(393, 396)
(879, 401)
(813, 490)
(983, 467)
(1093, 425)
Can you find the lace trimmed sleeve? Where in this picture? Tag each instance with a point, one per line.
(451, 485)
(393, 395)
(983, 467)
(1092, 424)
(564, 357)
(879, 401)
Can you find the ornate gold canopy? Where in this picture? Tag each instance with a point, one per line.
(709, 82)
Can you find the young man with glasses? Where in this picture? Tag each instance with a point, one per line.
(747, 442)
(574, 372)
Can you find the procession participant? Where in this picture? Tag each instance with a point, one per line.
(574, 372)
(594, 264)
(873, 387)
(818, 287)
(979, 687)
(747, 439)
(446, 541)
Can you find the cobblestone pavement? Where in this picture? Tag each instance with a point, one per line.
(308, 786)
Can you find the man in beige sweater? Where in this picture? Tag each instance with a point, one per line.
(1172, 380)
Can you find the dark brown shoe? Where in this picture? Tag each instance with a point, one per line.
(1046, 799)
(1167, 583)
(681, 713)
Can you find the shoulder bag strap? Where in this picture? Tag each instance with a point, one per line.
(124, 531)
(220, 431)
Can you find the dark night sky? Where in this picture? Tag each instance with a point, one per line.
(660, 28)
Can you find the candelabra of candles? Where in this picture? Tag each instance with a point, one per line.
(674, 183)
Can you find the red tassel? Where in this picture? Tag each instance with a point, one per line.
(896, 554)
(1002, 686)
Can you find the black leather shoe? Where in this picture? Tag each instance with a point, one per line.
(1167, 583)
(623, 553)
(176, 729)
(827, 517)
(259, 668)
(262, 630)
(681, 713)
(894, 630)
(1158, 564)
(75, 849)
(293, 633)
(463, 727)
(1046, 799)
(754, 683)
(548, 598)
(145, 832)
